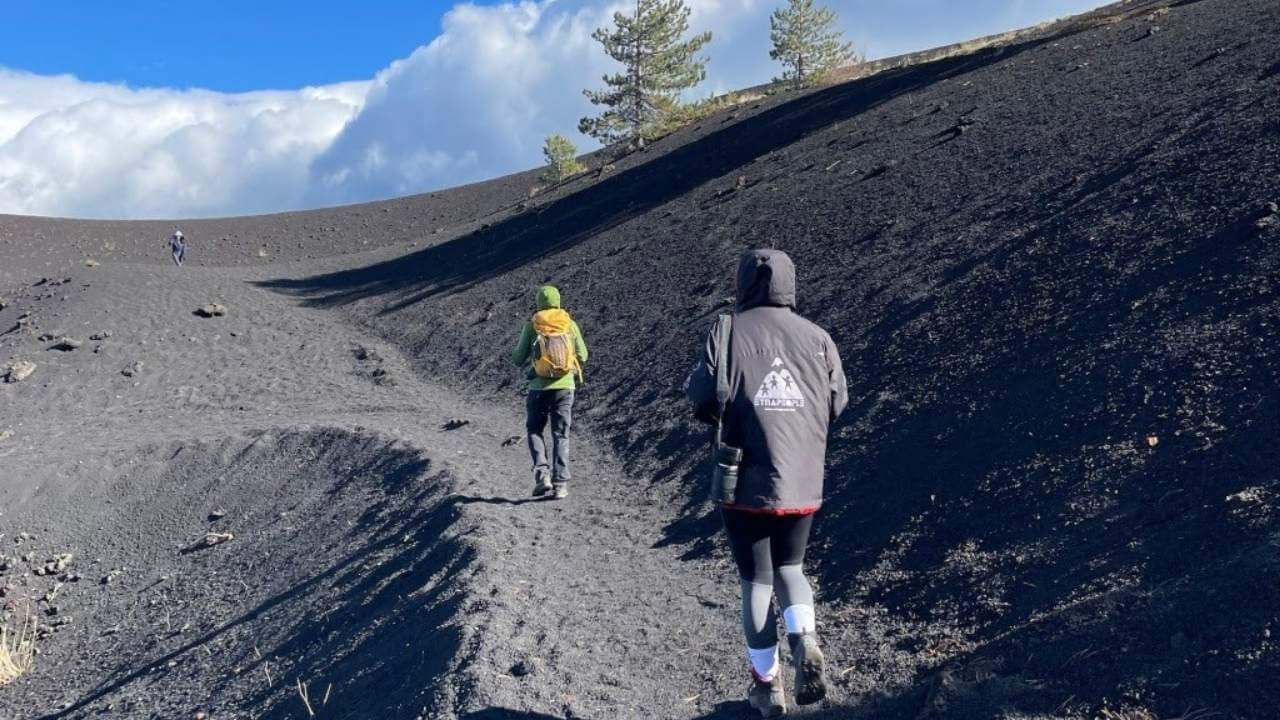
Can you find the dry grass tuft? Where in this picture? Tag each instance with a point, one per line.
(305, 694)
(17, 647)
(1126, 714)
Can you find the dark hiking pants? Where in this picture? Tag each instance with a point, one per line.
(556, 406)
(769, 553)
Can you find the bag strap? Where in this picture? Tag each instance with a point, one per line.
(724, 336)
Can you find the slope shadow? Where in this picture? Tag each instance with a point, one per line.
(389, 642)
(496, 500)
(889, 706)
(362, 625)
(904, 703)
(494, 250)
(1001, 461)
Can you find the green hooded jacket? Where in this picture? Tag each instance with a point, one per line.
(522, 355)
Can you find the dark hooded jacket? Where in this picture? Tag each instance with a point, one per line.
(786, 387)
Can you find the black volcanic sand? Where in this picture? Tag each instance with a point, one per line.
(377, 546)
(1052, 270)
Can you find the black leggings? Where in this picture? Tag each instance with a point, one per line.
(769, 552)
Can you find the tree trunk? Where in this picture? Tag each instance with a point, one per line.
(637, 99)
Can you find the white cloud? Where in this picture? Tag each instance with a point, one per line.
(479, 99)
(69, 147)
(475, 102)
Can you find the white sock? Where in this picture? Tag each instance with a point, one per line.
(800, 619)
(764, 662)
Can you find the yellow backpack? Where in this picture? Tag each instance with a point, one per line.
(554, 356)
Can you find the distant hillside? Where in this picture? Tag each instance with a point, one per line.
(1052, 269)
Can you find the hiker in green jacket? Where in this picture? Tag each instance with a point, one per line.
(552, 348)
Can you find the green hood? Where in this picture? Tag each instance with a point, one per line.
(548, 297)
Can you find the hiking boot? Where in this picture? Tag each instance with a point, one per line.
(811, 673)
(768, 698)
(541, 483)
(561, 491)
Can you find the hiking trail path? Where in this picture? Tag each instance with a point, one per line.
(573, 608)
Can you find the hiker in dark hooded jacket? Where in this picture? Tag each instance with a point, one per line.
(785, 387)
(553, 352)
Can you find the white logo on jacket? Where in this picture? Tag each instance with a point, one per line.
(779, 390)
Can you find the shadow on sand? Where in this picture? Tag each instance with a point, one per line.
(543, 231)
(374, 624)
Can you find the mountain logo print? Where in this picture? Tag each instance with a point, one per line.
(779, 390)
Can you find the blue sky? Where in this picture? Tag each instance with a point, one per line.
(240, 45)
(179, 109)
(229, 45)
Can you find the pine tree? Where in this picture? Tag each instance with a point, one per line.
(658, 64)
(807, 42)
(562, 159)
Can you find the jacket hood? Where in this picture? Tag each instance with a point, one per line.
(766, 277)
(548, 297)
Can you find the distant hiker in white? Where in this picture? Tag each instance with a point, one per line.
(178, 245)
(772, 383)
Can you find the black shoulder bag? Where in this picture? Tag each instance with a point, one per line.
(725, 459)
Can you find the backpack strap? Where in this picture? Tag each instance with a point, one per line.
(724, 335)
